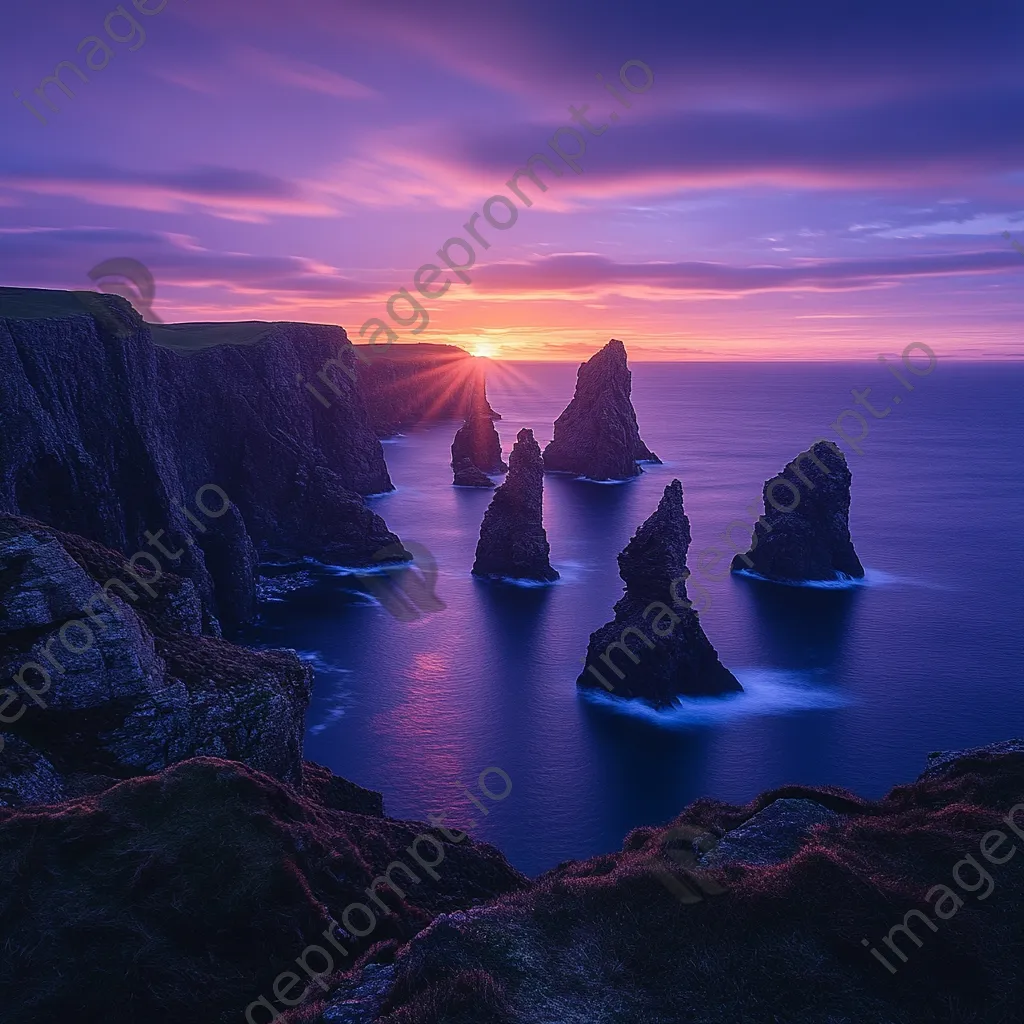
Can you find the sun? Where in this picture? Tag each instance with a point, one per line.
(483, 349)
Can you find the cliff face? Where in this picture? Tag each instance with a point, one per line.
(108, 435)
(655, 647)
(109, 675)
(512, 542)
(407, 384)
(597, 435)
(804, 533)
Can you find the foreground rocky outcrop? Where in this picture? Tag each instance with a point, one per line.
(755, 938)
(403, 385)
(467, 475)
(597, 435)
(804, 534)
(513, 544)
(478, 441)
(109, 675)
(109, 435)
(209, 880)
(655, 647)
(188, 895)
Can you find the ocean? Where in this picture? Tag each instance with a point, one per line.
(850, 686)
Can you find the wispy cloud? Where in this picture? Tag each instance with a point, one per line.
(224, 192)
(301, 74)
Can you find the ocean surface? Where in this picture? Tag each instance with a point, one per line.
(849, 686)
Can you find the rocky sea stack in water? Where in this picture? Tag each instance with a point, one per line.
(478, 441)
(655, 647)
(804, 533)
(513, 543)
(597, 434)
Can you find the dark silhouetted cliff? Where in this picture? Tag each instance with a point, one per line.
(108, 435)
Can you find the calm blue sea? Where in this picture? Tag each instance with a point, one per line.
(852, 687)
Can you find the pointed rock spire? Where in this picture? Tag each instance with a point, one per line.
(512, 542)
(597, 435)
(655, 647)
(804, 533)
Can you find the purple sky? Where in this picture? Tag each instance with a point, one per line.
(796, 182)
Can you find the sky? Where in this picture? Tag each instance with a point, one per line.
(786, 180)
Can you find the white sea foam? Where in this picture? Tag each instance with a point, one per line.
(765, 692)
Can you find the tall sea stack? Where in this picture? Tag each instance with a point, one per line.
(804, 534)
(597, 435)
(655, 648)
(512, 542)
(478, 441)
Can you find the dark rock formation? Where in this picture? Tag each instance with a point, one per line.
(676, 960)
(184, 896)
(597, 434)
(512, 542)
(104, 686)
(403, 385)
(651, 649)
(108, 435)
(467, 475)
(478, 441)
(804, 533)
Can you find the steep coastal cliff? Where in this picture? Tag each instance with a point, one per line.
(109, 435)
(109, 676)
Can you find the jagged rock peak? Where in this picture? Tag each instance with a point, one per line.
(655, 648)
(597, 435)
(512, 542)
(804, 533)
(656, 555)
(478, 441)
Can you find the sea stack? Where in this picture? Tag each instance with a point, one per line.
(804, 534)
(655, 648)
(478, 441)
(597, 435)
(467, 475)
(512, 542)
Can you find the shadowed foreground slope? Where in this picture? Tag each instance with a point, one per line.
(181, 896)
